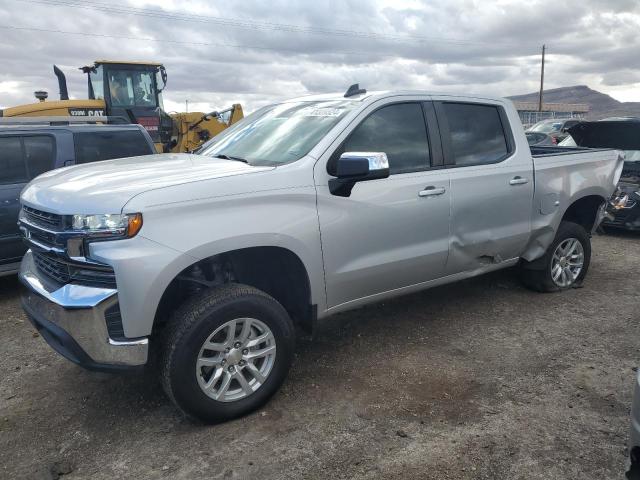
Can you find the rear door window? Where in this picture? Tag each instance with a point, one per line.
(476, 134)
(96, 146)
(12, 166)
(38, 154)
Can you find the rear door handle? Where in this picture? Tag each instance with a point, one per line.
(518, 181)
(431, 191)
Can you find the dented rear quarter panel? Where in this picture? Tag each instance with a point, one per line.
(561, 180)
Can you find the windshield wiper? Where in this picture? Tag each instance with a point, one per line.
(227, 157)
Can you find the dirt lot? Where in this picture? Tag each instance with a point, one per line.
(481, 379)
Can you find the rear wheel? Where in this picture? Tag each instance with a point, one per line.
(565, 263)
(227, 351)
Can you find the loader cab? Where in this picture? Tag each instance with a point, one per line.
(133, 92)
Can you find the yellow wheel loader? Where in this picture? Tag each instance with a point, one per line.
(131, 92)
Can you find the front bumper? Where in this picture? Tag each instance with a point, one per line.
(71, 318)
(628, 217)
(625, 219)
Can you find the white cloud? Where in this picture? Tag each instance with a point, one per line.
(10, 87)
(458, 45)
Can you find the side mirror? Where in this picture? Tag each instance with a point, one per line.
(353, 167)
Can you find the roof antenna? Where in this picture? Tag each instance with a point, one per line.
(354, 90)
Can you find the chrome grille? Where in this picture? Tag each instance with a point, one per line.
(52, 268)
(46, 238)
(51, 243)
(104, 277)
(44, 219)
(63, 272)
(43, 230)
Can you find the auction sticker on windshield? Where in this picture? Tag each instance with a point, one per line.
(322, 112)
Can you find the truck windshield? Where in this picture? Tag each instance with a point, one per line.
(278, 134)
(547, 127)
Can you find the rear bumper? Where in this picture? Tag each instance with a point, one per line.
(71, 318)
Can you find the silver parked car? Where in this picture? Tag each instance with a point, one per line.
(556, 128)
(303, 209)
(539, 138)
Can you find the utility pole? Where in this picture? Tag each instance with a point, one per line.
(544, 47)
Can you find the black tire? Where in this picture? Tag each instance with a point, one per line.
(191, 325)
(537, 276)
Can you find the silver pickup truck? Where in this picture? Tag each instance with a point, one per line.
(205, 264)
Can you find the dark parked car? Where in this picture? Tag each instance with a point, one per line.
(622, 134)
(26, 151)
(539, 138)
(556, 128)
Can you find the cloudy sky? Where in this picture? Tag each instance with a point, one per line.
(254, 52)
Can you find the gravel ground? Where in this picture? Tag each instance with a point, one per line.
(480, 379)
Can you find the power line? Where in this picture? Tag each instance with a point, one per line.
(256, 25)
(232, 22)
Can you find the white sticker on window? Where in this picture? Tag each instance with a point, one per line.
(322, 112)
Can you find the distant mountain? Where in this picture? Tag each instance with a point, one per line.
(601, 105)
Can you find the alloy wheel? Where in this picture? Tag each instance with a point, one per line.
(236, 359)
(567, 262)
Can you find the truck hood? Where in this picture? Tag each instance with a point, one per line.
(105, 187)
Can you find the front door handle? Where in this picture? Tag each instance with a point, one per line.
(431, 191)
(518, 181)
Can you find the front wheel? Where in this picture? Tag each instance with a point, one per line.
(565, 263)
(226, 352)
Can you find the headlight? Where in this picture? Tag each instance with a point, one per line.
(107, 226)
(618, 200)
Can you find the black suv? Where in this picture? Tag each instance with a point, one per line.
(622, 133)
(26, 151)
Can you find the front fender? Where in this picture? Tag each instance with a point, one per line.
(143, 269)
(308, 253)
(188, 231)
